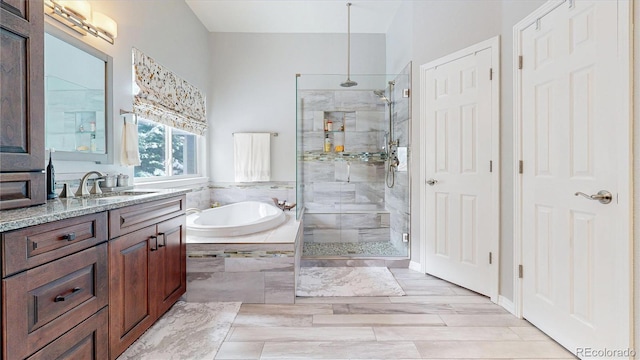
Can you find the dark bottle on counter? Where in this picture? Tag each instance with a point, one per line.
(51, 179)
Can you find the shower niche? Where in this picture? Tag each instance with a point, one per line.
(334, 130)
(348, 209)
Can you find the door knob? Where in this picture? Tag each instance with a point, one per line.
(603, 196)
(432, 182)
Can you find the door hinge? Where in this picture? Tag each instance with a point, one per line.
(521, 167)
(490, 165)
(490, 258)
(520, 62)
(520, 271)
(490, 73)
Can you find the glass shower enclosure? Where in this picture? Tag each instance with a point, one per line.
(353, 188)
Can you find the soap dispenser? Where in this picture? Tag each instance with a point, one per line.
(51, 178)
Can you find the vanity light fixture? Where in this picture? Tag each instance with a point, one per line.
(77, 15)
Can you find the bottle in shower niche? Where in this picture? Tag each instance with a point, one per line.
(338, 140)
(327, 143)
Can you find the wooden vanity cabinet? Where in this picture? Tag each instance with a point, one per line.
(22, 157)
(147, 267)
(71, 291)
(55, 288)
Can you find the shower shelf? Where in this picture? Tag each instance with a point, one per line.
(371, 157)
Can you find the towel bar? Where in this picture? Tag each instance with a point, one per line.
(123, 113)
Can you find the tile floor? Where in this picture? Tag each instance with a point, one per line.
(436, 320)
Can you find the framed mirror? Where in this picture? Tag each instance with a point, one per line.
(78, 99)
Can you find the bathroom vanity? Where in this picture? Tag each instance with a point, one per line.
(83, 278)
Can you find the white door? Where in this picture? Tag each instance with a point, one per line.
(575, 257)
(460, 166)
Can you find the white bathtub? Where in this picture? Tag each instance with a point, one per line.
(237, 219)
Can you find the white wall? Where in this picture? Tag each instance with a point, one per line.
(166, 30)
(400, 39)
(253, 88)
(440, 27)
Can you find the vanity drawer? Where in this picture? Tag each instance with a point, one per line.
(131, 218)
(51, 299)
(20, 189)
(87, 341)
(36, 245)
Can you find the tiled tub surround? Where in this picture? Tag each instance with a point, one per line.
(257, 268)
(228, 193)
(198, 198)
(346, 209)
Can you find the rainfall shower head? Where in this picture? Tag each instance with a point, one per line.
(381, 95)
(348, 83)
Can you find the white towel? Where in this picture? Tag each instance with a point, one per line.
(130, 154)
(252, 156)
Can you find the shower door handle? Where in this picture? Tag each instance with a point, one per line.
(348, 171)
(432, 182)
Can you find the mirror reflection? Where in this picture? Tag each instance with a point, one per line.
(76, 108)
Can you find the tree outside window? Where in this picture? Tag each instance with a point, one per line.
(165, 151)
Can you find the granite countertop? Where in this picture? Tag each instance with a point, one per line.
(58, 209)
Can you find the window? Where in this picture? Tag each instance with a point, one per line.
(165, 151)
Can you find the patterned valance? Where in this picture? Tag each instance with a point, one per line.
(164, 97)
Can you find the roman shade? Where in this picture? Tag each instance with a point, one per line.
(163, 97)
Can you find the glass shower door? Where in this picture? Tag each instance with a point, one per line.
(348, 208)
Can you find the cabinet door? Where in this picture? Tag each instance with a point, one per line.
(22, 99)
(171, 265)
(22, 84)
(87, 341)
(130, 303)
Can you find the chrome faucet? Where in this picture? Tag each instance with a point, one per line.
(82, 189)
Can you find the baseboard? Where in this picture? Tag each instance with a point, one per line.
(506, 304)
(415, 266)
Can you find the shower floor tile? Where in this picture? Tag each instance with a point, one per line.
(370, 248)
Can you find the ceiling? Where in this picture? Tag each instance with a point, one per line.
(295, 16)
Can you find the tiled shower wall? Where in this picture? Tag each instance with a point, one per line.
(337, 210)
(398, 198)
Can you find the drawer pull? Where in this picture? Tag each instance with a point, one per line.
(69, 236)
(156, 241)
(164, 240)
(74, 291)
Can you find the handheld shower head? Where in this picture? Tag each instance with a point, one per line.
(380, 93)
